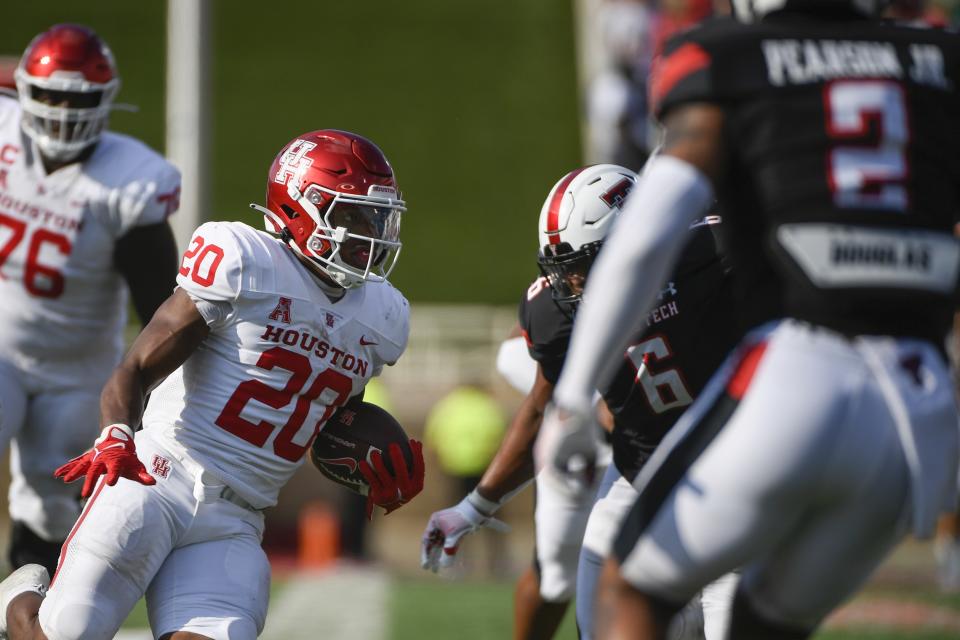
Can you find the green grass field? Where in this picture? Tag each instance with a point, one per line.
(430, 609)
(900, 603)
(482, 611)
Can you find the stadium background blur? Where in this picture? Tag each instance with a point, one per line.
(480, 107)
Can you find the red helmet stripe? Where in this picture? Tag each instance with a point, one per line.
(553, 213)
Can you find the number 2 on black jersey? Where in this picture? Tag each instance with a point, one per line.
(867, 164)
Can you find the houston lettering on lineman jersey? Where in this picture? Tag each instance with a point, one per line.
(320, 348)
(13, 206)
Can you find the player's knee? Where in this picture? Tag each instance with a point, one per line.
(746, 623)
(558, 582)
(557, 589)
(558, 574)
(80, 620)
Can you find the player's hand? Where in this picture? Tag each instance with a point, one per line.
(441, 538)
(566, 450)
(113, 454)
(393, 491)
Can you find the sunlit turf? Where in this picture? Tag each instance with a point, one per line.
(483, 611)
(461, 610)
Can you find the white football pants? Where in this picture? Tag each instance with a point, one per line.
(182, 542)
(51, 412)
(805, 461)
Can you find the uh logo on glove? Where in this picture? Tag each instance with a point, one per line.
(113, 455)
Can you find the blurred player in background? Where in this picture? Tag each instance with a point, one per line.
(463, 430)
(83, 218)
(265, 337)
(833, 143)
(545, 589)
(618, 128)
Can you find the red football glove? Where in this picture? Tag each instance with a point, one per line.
(114, 455)
(388, 491)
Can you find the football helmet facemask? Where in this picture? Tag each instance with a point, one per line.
(332, 197)
(574, 220)
(66, 83)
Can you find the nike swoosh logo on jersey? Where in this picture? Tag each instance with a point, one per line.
(365, 343)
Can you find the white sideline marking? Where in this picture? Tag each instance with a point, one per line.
(344, 602)
(134, 634)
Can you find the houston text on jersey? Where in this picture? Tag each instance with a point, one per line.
(320, 348)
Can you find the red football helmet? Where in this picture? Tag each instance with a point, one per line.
(67, 81)
(332, 197)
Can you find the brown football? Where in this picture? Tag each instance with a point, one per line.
(351, 435)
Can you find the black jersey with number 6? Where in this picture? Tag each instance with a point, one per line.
(689, 331)
(842, 181)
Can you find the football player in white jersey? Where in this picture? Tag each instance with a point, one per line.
(83, 217)
(266, 336)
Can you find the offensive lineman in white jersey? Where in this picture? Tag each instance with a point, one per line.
(266, 336)
(82, 211)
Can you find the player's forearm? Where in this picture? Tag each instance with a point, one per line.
(512, 466)
(175, 332)
(122, 399)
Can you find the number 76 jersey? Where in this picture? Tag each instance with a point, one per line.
(278, 361)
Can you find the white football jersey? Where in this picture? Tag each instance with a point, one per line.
(62, 297)
(278, 361)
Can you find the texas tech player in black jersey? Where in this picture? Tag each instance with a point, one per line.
(688, 332)
(846, 168)
(686, 336)
(833, 143)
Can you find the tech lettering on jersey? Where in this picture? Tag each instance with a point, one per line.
(320, 348)
(665, 310)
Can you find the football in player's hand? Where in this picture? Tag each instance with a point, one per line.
(351, 435)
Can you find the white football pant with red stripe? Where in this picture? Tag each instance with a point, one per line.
(186, 543)
(806, 459)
